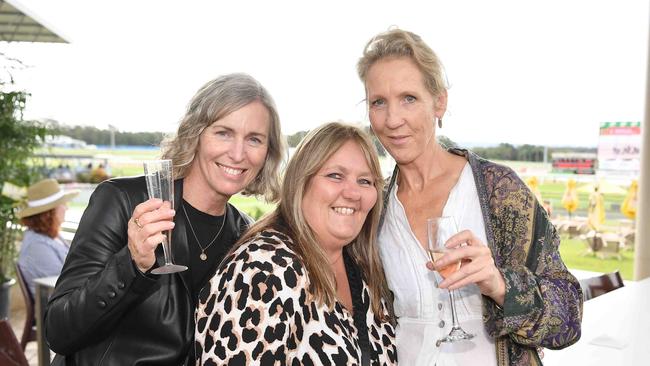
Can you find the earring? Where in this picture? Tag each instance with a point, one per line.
(439, 122)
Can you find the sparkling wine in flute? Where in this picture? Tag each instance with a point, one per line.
(439, 230)
(448, 270)
(160, 184)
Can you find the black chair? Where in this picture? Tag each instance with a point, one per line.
(29, 330)
(599, 285)
(10, 352)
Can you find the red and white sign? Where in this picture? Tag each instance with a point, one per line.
(619, 147)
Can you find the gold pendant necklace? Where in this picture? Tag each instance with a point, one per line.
(204, 256)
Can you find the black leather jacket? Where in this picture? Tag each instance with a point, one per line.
(103, 310)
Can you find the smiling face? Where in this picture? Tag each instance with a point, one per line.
(401, 109)
(230, 153)
(339, 196)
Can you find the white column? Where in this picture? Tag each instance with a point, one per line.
(642, 242)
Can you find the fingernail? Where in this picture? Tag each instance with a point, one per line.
(173, 224)
(173, 212)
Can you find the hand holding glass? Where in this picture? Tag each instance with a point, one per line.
(439, 230)
(160, 184)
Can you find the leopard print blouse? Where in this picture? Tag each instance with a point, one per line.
(256, 310)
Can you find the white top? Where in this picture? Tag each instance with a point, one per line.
(41, 256)
(423, 311)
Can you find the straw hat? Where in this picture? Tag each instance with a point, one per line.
(44, 196)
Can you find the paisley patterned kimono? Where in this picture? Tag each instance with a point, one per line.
(543, 301)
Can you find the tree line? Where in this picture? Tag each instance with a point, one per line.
(502, 151)
(95, 136)
(526, 152)
(294, 139)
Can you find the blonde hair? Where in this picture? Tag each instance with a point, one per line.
(398, 43)
(213, 101)
(312, 153)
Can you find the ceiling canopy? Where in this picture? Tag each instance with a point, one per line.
(18, 24)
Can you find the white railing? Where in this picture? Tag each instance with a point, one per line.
(68, 229)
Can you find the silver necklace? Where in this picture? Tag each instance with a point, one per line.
(204, 256)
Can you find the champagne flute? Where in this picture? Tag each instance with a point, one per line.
(160, 184)
(439, 230)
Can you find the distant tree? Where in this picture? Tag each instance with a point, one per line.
(530, 153)
(380, 148)
(445, 141)
(95, 136)
(18, 139)
(526, 152)
(294, 140)
(506, 151)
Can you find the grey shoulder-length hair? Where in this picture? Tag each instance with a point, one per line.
(215, 100)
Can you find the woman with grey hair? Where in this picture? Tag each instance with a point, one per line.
(107, 307)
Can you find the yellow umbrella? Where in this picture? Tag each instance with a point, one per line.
(596, 210)
(629, 204)
(603, 186)
(533, 185)
(570, 197)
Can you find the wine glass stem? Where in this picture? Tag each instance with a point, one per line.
(167, 250)
(454, 318)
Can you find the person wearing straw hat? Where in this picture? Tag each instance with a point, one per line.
(43, 251)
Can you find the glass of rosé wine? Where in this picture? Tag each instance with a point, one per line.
(439, 230)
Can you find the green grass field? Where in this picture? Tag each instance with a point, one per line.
(553, 191)
(251, 205)
(121, 162)
(574, 255)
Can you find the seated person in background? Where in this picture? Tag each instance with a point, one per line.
(98, 174)
(83, 173)
(305, 284)
(43, 250)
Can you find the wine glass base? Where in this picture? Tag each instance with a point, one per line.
(169, 268)
(454, 336)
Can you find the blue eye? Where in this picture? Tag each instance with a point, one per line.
(256, 141)
(222, 133)
(336, 176)
(377, 103)
(365, 182)
(410, 99)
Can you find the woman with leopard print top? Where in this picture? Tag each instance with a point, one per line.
(305, 285)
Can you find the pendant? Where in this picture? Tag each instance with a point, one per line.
(203, 256)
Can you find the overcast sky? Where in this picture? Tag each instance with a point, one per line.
(542, 72)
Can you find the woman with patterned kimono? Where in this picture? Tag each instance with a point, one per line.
(513, 291)
(305, 285)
